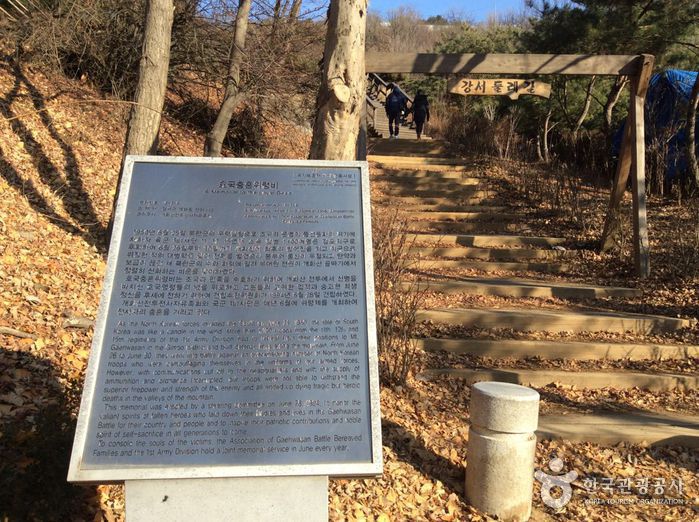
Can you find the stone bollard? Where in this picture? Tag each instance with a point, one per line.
(501, 449)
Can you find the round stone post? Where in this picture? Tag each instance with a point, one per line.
(501, 449)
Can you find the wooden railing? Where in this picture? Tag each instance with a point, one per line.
(371, 106)
(377, 92)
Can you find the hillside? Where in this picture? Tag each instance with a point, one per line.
(60, 152)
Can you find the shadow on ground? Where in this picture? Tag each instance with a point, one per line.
(69, 186)
(412, 450)
(36, 435)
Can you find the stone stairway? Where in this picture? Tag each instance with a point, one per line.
(467, 244)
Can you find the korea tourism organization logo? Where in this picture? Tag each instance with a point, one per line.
(562, 481)
(557, 490)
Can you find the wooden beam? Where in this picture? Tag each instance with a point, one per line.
(612, 223)
(613, 65)
(641, 246)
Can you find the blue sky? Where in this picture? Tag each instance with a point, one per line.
(477, 10)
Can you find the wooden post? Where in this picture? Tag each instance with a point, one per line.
(641, 246)
(612, 224)
(632, 157)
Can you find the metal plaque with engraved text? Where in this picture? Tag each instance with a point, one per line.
(236, 331)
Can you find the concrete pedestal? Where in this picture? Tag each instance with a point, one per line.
(502, 449)
(500, 473)
(254, 499)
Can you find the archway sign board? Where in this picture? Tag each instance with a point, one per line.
(513, 88)
(632, 154)
(236, 333)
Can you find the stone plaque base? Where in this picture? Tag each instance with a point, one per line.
(254, 499)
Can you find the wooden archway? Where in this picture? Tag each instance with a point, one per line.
(632, 155)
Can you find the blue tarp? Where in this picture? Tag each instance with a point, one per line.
(666, 106)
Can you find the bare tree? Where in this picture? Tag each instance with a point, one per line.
(543, 142)
(692, 132)
(408, 33)
(232, 96)
(342, 90)
(144, 122)
(403, 30)
(295, 10)
(585, 108)
(612, 99)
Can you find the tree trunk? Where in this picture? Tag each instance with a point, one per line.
(342, 91)
(585, 109)
(276, 16)
(232, 96)
(612, 99)
(144, 122)
(692, 132)
(295, 10)
(563, 101)
(545, 136)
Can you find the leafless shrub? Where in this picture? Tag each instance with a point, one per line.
(96, 40)
(659, 158)
(99, 41)
(402, 30)
(397, 303)
(485, 131)
(505, 135)
(557, 187)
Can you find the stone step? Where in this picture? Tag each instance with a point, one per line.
(656, 429)
(494, 216)
(491, 253)
(465, 227)
(455, 193)
(435, 167)
(443, 184)
(585, 380)
(406, 134)
(488, 240)
(439, 204)
(409, 174)
(423, 162)
(408, 148)
(572, 350)
(525, 288)
(404, 130)
(492, 266)
(526, 319)
(478, 206)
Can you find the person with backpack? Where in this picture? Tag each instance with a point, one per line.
(421, 112)
(395, 103)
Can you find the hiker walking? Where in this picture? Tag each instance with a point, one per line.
(421, 112)
(395, 103)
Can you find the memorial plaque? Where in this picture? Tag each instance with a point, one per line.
(236, 332)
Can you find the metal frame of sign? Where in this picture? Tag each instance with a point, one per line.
(109, 475)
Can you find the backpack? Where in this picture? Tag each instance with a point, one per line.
(394, 103)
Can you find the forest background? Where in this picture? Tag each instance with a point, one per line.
(99, 42)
